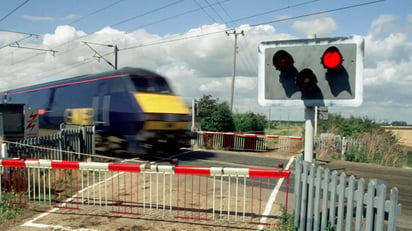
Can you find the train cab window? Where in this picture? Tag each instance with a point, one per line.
(153, 84)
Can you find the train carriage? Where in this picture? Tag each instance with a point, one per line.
(134, 105)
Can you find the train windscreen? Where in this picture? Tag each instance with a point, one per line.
(152, 84)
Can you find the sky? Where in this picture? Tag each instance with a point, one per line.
(186, 41)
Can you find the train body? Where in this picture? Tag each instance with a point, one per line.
(134, 105)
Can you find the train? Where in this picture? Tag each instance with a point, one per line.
(133, 107)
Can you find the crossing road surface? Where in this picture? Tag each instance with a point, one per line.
(395, 177)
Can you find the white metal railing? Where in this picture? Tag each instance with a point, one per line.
(236, 196)
(70, 143)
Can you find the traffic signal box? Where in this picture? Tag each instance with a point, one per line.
(311, 72)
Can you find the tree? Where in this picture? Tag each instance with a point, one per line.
(215, 116)
(399, 123)
(352, 126)
(250, 122)
(205, 106)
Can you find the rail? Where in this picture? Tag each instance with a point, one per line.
(235, 196)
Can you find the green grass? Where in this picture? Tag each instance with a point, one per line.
(285, 130)
(408, 159)
(9, 211)
(286, 222)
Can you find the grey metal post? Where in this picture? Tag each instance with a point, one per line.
(234, 65)
(309, 133)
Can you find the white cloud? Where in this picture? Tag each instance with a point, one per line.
(395, 47)
(409, 23)
(321, 26)
(196, 64)
(71, 16)
(382, 25)
(36, 18)
(10, 37)
(62, 34)
(212, 86)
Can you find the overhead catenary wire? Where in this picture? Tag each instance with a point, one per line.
(212, 7)
(244, 57)
(184, 37)
(171, 17)
(146, 13)
(204, 11)
(151, 11)
(90, 14)
(95, 12)
(158, 42)
(14, 10)
(177, 38)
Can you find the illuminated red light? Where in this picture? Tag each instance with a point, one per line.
(332, 58)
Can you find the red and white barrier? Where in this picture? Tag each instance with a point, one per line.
(249, 142)
(233, 196)
(150, 168)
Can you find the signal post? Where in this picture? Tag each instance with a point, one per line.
(313, 73)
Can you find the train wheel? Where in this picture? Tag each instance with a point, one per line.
(110, 144)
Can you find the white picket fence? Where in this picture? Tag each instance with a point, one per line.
(326, 200)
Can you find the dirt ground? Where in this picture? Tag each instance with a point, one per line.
(86, 220)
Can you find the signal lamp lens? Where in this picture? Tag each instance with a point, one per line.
(332, 58)
(306, 80)
(282, 60)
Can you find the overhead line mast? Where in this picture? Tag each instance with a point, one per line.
(116, 50)
(234, 64)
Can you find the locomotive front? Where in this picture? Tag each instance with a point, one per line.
(165, 119)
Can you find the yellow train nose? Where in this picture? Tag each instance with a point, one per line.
(163, 112)
(160, 103)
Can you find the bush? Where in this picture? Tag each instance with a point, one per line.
(216, 116)
(372, 143)
(250, 122)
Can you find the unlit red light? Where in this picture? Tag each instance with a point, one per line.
(282, 60)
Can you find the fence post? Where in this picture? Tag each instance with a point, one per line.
(297, 190)
(343, 150)
(394, 209)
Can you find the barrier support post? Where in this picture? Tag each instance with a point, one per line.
(309, 133)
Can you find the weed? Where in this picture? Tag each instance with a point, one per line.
(9, 211)
(286, 221)
(370, 143)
